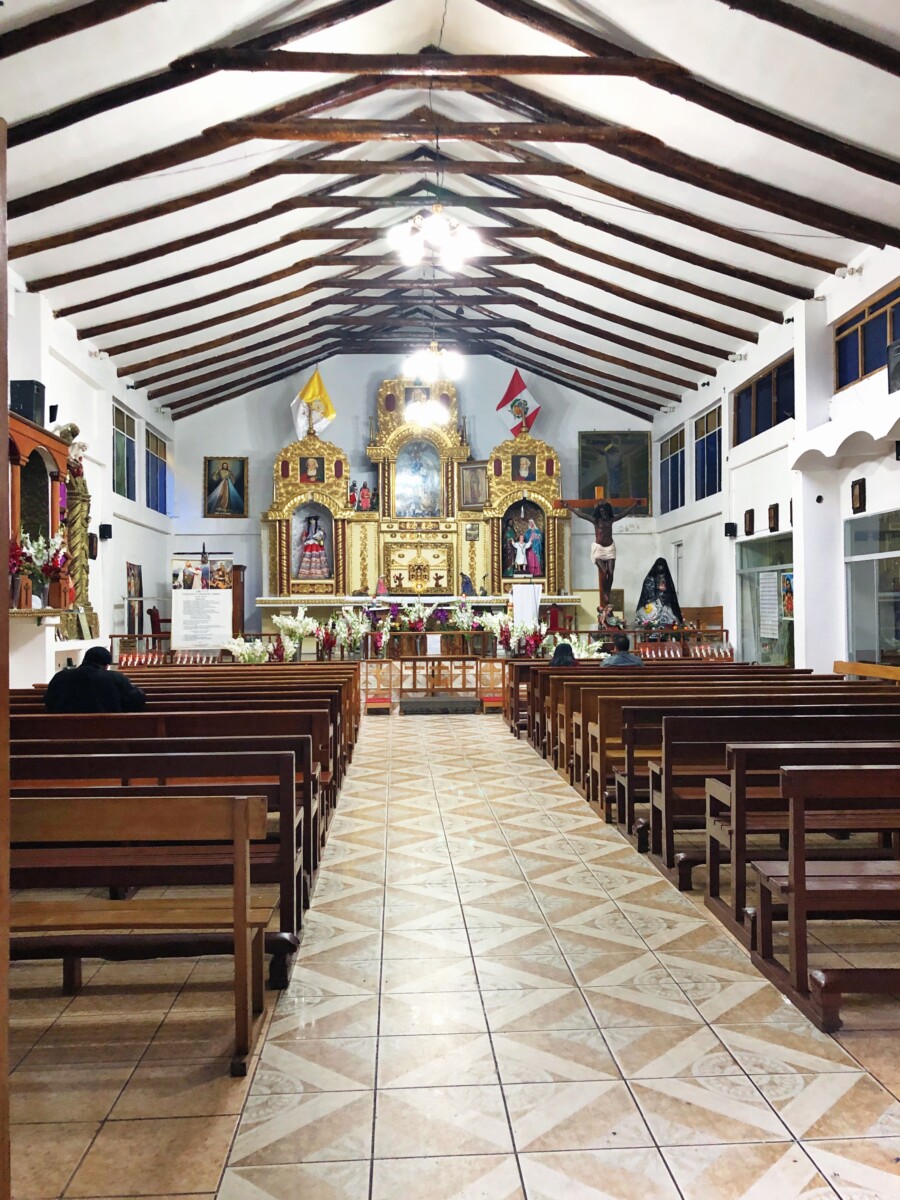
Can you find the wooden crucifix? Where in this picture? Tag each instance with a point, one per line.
(602, 514)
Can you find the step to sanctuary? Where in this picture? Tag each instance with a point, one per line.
(430, 706)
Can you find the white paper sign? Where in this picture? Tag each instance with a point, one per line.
(768, 604)
(433, 643)
(201, 602)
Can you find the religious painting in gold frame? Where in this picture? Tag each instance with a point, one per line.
(473, 487)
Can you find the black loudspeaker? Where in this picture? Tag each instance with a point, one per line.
(105, 532)
(893, 366)
(52, 413)
(730, 529)
(26, 399)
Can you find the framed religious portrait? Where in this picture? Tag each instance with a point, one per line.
(524, 468)
(858, 495)
(619, 463)
(473, 489)
(773, 518)
(225, 486)
(749, 521)
(473, 531)
(312, 470)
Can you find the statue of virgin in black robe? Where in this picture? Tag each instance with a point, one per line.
(658, 605)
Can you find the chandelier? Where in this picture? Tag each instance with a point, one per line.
(453, 243)
(428, 366)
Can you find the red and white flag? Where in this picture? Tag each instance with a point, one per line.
(519, 404)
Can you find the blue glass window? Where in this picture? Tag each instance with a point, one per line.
(671, 472)
(124, 474)
(708, 454)
(861, 340)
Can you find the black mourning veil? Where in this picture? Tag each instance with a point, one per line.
(652, 592)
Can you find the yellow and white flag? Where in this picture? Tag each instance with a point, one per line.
(312, 402)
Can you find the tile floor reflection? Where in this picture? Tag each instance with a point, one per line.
(495, 998)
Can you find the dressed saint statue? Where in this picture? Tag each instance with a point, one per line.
(658, 604)
(534, 549)
(313, 556)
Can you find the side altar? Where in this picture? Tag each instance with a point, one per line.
(433, 522)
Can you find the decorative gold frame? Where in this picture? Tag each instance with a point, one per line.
(289, 495)
(545, 492)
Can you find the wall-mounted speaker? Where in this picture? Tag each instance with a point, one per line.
(52, 413)
(26, 399)
(105, 532)
(731, 528)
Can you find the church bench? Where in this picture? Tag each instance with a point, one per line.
(152, 819)
(282, 859)
(605, 750)
(695, 747)
(838, 797)
(748, 802)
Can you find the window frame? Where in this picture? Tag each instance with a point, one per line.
(128, 418)
(770, 372)
(665, 489)
(709, 433)
(160, 476)
(862, 311)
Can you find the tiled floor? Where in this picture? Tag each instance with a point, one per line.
(496, 998)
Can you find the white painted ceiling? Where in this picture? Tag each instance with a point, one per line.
(775, 70)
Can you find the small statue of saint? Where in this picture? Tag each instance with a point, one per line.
(364, 503)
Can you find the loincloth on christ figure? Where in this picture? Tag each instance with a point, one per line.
(601, 554)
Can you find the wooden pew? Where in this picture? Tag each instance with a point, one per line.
(152, 819)
(828, 798)
(749, 803)
(276, 861)
(695, 748)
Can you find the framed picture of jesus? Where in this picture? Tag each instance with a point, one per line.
(224, 486)
(618, 462)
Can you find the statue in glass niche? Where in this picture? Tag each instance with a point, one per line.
(658, 605)
(313, 557)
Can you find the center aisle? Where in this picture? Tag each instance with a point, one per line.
(496, 997)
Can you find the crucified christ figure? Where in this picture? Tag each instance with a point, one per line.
(603, 548)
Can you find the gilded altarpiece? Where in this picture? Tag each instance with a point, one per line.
(526, 529)
(308, 520)
(421, 537)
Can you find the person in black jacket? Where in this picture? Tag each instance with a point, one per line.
(92, 688)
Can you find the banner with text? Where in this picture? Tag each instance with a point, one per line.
(201, 602)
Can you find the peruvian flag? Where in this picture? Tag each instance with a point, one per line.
(519, 404)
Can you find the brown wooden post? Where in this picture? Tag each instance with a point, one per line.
(5, 1185)
(54, 503)
(14, 474)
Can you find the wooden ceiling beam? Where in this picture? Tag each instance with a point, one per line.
(688, 87)
(559, 208)
(73, 20)
(342, 130)
(366, 168)
(189, 150)
(417, 67)
(163, 81)
(821, 30)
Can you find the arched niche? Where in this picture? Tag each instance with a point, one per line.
(36, 494)
(312, 544)
(524, 525)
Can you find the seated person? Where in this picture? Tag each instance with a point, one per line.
(563, 655)
(622, 657)
(92, 687)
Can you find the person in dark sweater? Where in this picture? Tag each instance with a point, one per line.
(622, 657)
(92, 688)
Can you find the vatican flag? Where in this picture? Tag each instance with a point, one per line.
(312, 406)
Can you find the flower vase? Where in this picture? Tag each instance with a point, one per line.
(15, 587)
(45, 594)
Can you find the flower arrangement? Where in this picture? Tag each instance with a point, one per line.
(581, 647)
(247, 652)
(350, 628)
(462, 616)
(378, 633)
(296, 627)
(413, 616)
(326, 638)
(40, 558)
(18, 558)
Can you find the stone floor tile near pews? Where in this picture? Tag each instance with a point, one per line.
(461, 1177)
(637, 1174)
(424, 1013)
(305, 1127)
(875, 1052)
(425, 1122)
(745, 1172)
(425, 944)
(326, 1017)
(597, 924)
(653, 1000)
(533, 1009)
(140, 1158)
(63, 1094)
(554, 1056)
(832, 1105)
(595, 966)
(318, 979)
(861, 1012)
(706, 1111)
(326, 943)
(539, 969)
(428, 975)
(491, 864)
(498, 941)
(183, 1089)
(669, 1052)
(436, 1060)
(593, 1115)
(316, 1065)
(192, 1034)
(325, 1181)
(860, 1169)
(785, 1049)
(45, 1156)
